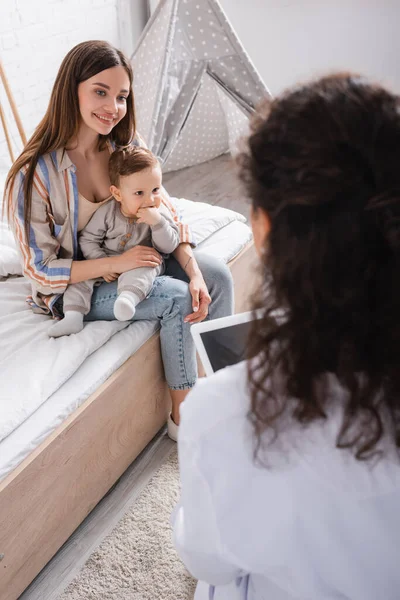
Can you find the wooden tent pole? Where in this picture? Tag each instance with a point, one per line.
(6, 133)
(12, 104)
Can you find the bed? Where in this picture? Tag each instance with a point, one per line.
(70, 428)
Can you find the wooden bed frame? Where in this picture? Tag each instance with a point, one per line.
(52, 491)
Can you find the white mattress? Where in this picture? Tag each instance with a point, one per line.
(225, 243)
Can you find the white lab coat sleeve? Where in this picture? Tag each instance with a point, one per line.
(196, 535)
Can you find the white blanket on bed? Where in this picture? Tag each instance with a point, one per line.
(34, 366)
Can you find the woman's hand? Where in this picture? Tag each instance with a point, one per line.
(110, 277)
(200, 300)
(139, 256)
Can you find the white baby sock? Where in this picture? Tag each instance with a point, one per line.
(125, 306)
(71, 323)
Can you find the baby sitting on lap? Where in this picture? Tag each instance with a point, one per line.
(133, 217)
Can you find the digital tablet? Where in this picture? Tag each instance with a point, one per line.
(222, 342)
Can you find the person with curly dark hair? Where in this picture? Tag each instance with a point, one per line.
(289, 461)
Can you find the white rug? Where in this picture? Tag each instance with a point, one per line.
(137, 561)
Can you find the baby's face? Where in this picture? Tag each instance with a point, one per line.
(140, 190)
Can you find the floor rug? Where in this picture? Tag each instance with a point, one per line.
(137, 561)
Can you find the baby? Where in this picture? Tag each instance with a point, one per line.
(133, 217)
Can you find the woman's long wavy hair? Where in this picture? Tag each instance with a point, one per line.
(62, 119)
(323, 162)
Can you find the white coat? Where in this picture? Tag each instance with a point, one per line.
(316, 525)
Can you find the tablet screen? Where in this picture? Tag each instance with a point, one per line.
(226, 346)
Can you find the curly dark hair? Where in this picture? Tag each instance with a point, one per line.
(323, 161)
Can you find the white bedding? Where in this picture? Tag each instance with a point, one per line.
(46, 379)
(9, 258)
(32, 365)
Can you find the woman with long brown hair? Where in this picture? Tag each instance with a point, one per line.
(289, 461)
(60, 180)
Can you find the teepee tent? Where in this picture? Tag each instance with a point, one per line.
(195, 87)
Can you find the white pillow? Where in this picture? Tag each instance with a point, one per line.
(10, 262)
(205, 219)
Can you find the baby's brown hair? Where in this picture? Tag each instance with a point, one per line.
(129, 160)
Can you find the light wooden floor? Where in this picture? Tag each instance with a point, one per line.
(214, 182)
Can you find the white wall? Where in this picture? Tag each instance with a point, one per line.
(35, 35)
(292, 40)
(133, 15)
(288, 40)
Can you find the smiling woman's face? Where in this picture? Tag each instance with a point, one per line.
(102, 99)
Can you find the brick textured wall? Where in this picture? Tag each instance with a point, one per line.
(34, 38)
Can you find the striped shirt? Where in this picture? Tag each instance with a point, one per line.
(53, 233)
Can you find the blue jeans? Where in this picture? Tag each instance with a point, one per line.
(170, 302)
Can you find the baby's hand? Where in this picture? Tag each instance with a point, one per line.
(150, 215)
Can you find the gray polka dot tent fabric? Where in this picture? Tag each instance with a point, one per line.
(195, 87)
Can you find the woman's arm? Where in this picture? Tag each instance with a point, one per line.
(198, 288)
(139, 256)
(39, 249)
(41, 264)
(40, 253)
(82, 270)
(185, 257)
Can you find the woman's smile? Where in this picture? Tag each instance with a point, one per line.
(105, 119)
